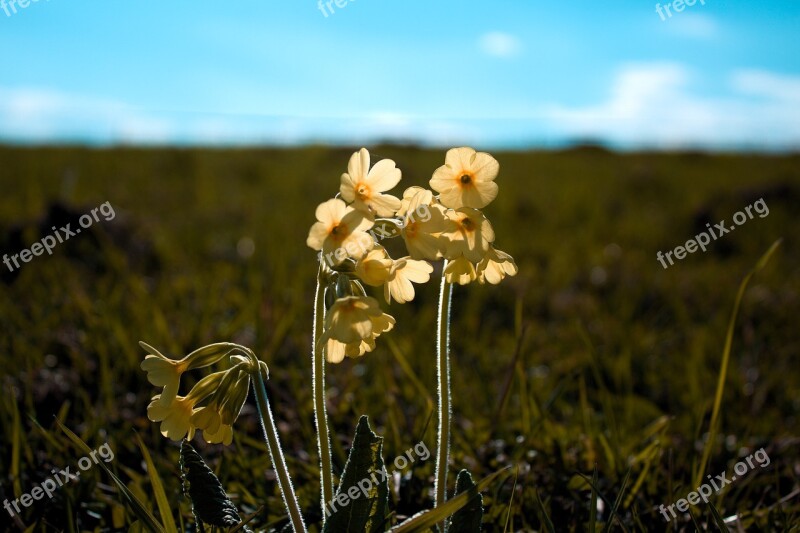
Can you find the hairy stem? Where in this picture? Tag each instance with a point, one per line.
(443, 375)
(320, 411)
(276, 454)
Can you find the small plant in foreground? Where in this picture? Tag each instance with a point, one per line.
(347, 322)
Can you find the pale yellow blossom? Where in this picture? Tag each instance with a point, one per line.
(495, 266)
(364, 186)
(466, 179)
(460, 271)
(472, 236)
(404, 271)
(340, 232)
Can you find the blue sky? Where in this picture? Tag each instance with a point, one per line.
(493, 74)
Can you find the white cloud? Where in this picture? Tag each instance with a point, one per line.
(499, 44)
(654, 104)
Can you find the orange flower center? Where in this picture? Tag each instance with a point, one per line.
(466, 179)
(363, 191)
(339, 232)
(467, 224)
(411, 230)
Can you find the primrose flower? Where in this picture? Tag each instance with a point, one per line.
(354, 322)
(175, 416)
(425, 225)
(466, 179)
(375, 267)
(402, 273)
(165, 372)
(495, 266)
(364, 187)
(473, 235)
(340, 231)
(460, 271)
(336, 350)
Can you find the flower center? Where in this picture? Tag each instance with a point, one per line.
(467, 224)
(411, 230)
(465, 179)
(339, 232)
(363, 191)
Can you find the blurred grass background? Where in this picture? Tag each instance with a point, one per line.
(594, 356)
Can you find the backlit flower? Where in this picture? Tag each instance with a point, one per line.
(340, 232)
(472, 236)
(335, 351)
(350, 319)
(460, 271)
(165, 372)
(403, 272)
(495, 266)
(375, 267)
(424, 225)
(466, 179)
(175, 416)
(364, 186)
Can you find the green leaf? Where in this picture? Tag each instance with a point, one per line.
(158, 489)
(210, 503)
(362, 499)
(427, 519)
(146, 517)
(468, 518)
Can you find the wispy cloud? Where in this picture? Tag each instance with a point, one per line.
(654, 104)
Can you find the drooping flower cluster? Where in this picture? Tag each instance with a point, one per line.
(224, 392)
(449, 226)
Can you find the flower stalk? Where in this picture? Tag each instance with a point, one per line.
(275, 452)
(318, 385)
(443, 375)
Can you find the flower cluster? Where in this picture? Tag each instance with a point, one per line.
(224, 392)
(448, 226)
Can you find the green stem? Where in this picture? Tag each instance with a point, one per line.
(320, 411)
(443, 375)
(276, 454)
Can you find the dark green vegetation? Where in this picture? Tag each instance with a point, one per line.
(594, 356)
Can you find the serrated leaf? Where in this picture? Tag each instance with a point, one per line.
(210, 503)
(362, 499)
(468, 518)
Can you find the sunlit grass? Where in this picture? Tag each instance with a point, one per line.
(594, 356)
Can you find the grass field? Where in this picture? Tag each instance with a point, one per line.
(592, 357)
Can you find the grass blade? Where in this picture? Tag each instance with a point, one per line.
(164, 507)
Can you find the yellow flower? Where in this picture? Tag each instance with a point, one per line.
(466, 179)
(364, 186)
(165, 372)
(335, 351)
(340, 231)
(460, 271)
(350, 319)
(495, 266)
(224, 435)
(175, 416)
(473, 236)
(375, 267)
(425, 225)
(403, 272)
